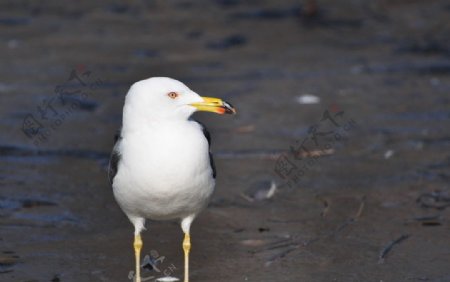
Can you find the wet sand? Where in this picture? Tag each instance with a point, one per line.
(374, 208)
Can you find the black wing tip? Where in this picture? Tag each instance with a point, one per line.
(211, 159)
(113, 166)
(115, 158)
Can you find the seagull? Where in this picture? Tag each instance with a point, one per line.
(161, 167)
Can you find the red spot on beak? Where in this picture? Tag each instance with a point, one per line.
(221, 111)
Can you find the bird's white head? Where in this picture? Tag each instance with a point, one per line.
(163, 98)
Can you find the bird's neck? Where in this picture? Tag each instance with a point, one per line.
(135, 121)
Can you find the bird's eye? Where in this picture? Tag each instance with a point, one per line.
(173, 95)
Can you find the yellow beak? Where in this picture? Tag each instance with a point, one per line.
(214, 105)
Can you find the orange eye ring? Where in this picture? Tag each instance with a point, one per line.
(173, 95)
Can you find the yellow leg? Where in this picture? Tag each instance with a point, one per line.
(137, 252)
(186, 248)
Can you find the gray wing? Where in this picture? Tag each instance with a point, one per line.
(208, 137)
(114, 159)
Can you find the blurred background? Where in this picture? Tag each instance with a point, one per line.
(336, 167)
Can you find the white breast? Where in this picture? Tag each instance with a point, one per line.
(164, 171)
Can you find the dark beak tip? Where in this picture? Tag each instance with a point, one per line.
(231, 111)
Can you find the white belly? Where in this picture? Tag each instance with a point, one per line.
(164, 173)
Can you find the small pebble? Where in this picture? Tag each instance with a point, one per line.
(308, 99)
(388, 154)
